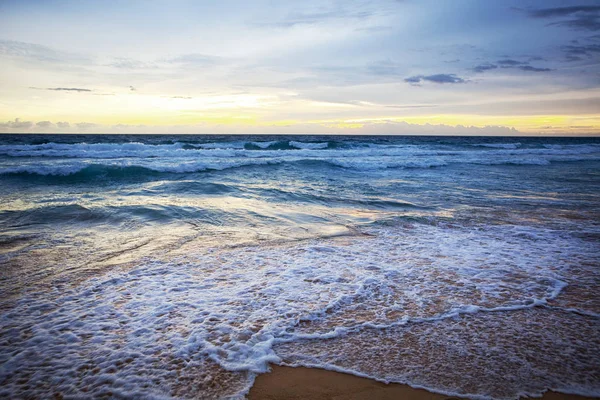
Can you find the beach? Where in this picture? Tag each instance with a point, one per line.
(170, 266)
(309, 383)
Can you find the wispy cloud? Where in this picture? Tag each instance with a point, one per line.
(339, 12)
(64, 89)
(484, 67)
(437, 78)
(509, 64)
(37, 52)
(578, 17)
(578, 52)
(195, 59)
(563, 11)
(128, 63)
(529, 68)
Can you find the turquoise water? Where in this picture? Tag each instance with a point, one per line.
(133, 262)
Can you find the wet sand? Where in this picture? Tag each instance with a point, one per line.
(318, 384)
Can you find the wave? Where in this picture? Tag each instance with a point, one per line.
(115, 170)
(453, 289)
(252, 149)
(136, 159)
(112, 168)
(53, 214)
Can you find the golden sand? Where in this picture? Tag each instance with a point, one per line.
(318, 384)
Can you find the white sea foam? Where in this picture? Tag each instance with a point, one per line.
(308, 150)
(72, 158)
(240, 309)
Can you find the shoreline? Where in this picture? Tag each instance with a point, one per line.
(299, 383)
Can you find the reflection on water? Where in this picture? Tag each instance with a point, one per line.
(155, 266)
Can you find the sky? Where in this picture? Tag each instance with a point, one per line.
(347, 67)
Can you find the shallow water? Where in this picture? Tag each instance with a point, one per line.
(165, 266)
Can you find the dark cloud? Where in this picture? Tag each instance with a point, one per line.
(579, 17)
(529, 68)
(484, 67)
(437, 78)
(64, 89)
(70, 89)
(63, 125)
(588, 23)
(578, 52)
(413, 79)
(510, 63)
(562, 11)
(44, 124)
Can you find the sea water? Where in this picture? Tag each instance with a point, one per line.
(166, 266)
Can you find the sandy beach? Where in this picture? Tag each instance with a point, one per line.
(318, 384)
(184, 266)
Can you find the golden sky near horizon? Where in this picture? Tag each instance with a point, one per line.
(382, 67)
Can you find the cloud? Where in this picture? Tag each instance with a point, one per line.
(437, 78)
(131, 88)
(510, 63)
(411, 106)
(17, 124)
(63, 125)
(38, 52)
(562, 11)
(576, 53)
(529, 68)
(580, 17)
(86, 125)
(507, 64)
(484, 67)
(64, 89)
(181, 97)
(44, 124)
(340, 12)
(69, 89)
(128, 63)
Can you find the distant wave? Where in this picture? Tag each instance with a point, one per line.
(115, 170)
(132, 170)
(136, 159)
(267, 145)
(276, 148)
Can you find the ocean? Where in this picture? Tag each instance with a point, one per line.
(182, 266)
